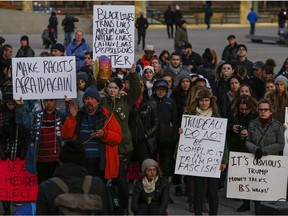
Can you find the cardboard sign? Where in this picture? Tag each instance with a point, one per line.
(285, 150)
(16, 183)
(44, 77)
(201, 146)
(265, 180)
(113, 34)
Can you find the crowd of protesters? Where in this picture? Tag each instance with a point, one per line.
(135, 115)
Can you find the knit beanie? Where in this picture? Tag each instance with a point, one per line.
(72, 152)
(24, 37)
(148, 67)
(82, 76)
(92, 91)
(160, 83)
(59, 47)
(147, 163)
(282, 79)
(183, 75)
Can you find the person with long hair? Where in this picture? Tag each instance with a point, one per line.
(279, 97)
(242, 113)
(120, 103)
(204, 104)
(151, 192)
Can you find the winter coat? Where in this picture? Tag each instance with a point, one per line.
(167, 115)
(230, 53)
(33, 122)
(235, 141)
(144, 121)
(68, 23)
(141, 25)
(181, 37)
(121, 109)
(25, 52)
(159, 196)
(169, 17)
(109, 160)
(273, 140)
(73, 175)
(78, 51)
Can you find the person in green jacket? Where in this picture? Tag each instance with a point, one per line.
(119, 103)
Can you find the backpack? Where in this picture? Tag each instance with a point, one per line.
(77, 203)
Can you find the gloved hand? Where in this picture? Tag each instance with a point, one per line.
(258, 153)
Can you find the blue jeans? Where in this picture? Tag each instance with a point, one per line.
(68, 37)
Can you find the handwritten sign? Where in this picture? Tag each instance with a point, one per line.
(44, 77)
(16, 183)
(285, 150)
(265, 180)
(113, 34)
(201, 146)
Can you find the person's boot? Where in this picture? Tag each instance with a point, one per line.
(178, 190)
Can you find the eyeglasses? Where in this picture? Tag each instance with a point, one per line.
(242, 49)
(263, 110)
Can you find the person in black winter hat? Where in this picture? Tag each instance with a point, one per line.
(57, 50)
(25, 49)
(72, 152)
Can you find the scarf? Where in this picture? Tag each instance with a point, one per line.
(200, 112)
(175, 71)
(149, 186)
(264, 121)
(139, 101)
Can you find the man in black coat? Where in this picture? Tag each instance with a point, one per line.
(72, 173)
(141, 25)
(169, 20)
(69, 27)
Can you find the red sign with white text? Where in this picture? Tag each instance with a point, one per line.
(16, 184)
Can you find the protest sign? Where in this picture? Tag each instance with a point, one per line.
(262, 180)
(113, 34)
(44, 77)
(285, 150)
(16, 183)
(201, 146)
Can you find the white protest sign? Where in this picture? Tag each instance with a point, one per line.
(113, 34)
(44, 77)
(265, 180)
(201, 146)
(285, 150)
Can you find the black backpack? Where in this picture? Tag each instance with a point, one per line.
(77, 203)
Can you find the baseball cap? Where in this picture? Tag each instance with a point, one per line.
(257, 65)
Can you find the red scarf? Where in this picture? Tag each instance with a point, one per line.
(145, 61)
(139, 101)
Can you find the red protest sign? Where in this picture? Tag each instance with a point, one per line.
(16, 184)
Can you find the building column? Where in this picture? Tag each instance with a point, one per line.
(140, 6)
(245, 7)
(27, 5)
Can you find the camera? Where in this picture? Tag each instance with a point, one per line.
(240, 129)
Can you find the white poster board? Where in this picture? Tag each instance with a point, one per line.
(44, 77)
(113, 34)
(201, 146)
(262, 181)
(285, 150)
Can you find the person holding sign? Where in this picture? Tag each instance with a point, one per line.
(265, 136)
(46, 139)
(204, 104)
(119, 103)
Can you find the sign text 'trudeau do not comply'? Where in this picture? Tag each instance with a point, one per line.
(113, 34)
(44, 77)
(201, 146)
(262, 180)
